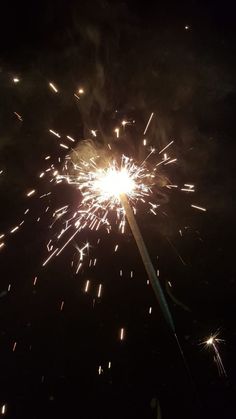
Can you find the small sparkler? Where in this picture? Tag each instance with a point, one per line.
(212, 343)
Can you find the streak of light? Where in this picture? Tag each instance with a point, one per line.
(1, 236)
(52, 254)
(150, 310)
(121, 272)
(109, 365)
(77, 97)
(30, 193)
(197, 207)
(62, 305)
(64, 146)
(169, 283)
(148, 123)
(144, 142)
(53, 87)
(16, 80)
(9, 287)
(116, 247)
(14, 229)
(188, 185)
(93, 132)
(3, 409)
(87, 286)
(55, 133)
(35, 280)
(170, 161)
(122, 333)
(70, 138)
(187, 190)
(14, 347)
(18, 116)
(2, 245)
(131, 274)
(100, 370)
(47, 157)
(117, 131)
(1, 172)
(41, 174)
(99, 290)
(163, 149)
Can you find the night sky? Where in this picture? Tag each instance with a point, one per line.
(60, 348)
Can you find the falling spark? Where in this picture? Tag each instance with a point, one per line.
(55, 133)
(14, 229)
(32, 192)
(53, 87)
(3, 409)
(99, 290)
(197, 207)
(150, 310)
(151, 116)
(14, 346)
(116, 247)
(47, 157)
(87, 286)
(117, 131)
(35, 280)
(70, 138)
(93, 132)
(64, 146)
(2, 245)
(16, 80)
(109, 365)
(18, 116)
(168, 145)
(122, 332)
(52, 254)
(62, 305)
(144, 142)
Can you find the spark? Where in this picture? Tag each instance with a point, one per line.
(81, 91)
(16, 80)
(148, 123)
(94, 132)
(35, 280)
(122, 333)
(144, 142)
(47, 157)
(1, 236)
(171, 161)
(117, 131)
(2, 245)
(55, 133)
(87, 286)
(14, 229)
(30, 193)
(109, 365)
(1, 172)
(52, 254)
(150, 310)
(212, 342)
(116, 247)
(168, 145)
(3, 409)
(64, 146)
(197, 207)
(70, 138)
(14, 346)
(62, 305)
(53, 87)
(99, 290)
(18, 116)
(41, 174)
(187, 190)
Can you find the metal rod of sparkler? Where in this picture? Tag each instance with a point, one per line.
(147, 263)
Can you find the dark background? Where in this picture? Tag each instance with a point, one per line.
(134, 58)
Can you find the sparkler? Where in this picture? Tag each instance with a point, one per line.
(212, 342)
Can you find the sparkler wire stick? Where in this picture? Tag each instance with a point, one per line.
(147, 263)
